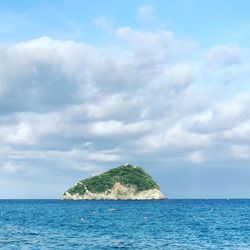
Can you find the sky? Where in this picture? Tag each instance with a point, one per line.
(90, 85)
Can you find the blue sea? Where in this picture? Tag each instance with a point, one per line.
(167, 224)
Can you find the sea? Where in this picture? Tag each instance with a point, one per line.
(162, 224)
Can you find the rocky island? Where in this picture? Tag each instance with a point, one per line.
(126, 182)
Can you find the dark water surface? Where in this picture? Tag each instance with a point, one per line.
(169, 224)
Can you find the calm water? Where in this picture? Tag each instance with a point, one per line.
(170, 224)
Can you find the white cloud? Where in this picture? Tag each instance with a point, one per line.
(175, 137)
(154, 47)
(196, 157)
(222, 56)
(20, 134)
(241, 151)
(146, 13)
(104, 23)
(9, 168)
(178, 75)
(204, 117)
(227, 64)
(240, 132)
(112, 128)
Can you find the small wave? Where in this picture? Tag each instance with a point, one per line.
(112, 209)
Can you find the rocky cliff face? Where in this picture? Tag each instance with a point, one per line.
(118, 192)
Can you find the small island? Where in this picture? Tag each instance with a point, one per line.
(126, 182)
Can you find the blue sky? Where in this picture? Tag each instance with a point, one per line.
(208, 22)
(85, 86)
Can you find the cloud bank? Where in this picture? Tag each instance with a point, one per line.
(69, 108)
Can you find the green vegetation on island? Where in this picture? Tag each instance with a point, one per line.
(128, 175)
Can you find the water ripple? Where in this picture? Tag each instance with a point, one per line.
(170, 224)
